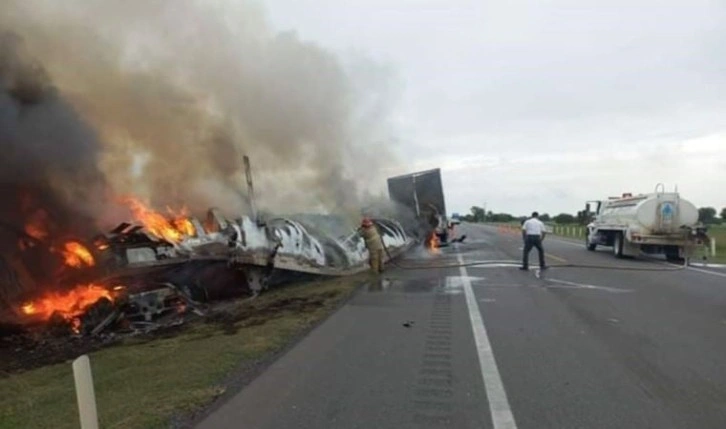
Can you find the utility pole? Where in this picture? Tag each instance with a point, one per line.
(250, 187)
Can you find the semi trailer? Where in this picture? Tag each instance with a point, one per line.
(423, 194)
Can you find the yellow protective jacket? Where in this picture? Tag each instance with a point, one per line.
(372, 238)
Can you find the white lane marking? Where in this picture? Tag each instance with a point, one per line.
(587, 286)
(502, 417)
(713, 273)
(493, 261)
(504, 265)
(707, 265)
(453, 286)
(698, 270)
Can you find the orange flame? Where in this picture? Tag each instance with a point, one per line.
(76, 255)
(173, 230)
(36, 226)
(68, 305)
(184, 226)
(433, 242)
(36, 231)
(101, 244)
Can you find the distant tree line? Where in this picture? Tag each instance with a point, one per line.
(478, 214)
(707, 215)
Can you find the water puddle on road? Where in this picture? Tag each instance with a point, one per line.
(471, 278)
(453, 285)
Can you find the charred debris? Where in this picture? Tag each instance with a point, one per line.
(160, 271)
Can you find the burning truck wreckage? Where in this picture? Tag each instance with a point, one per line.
(64, 284)
(62, 297)
(158, 271)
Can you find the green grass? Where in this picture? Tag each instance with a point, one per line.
(718, 232)
(143, 384)
(572, 231)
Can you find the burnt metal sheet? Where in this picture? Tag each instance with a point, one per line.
(419, 191)
(120, 228)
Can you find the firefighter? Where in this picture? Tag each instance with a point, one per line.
(535, 232)
(373, 244)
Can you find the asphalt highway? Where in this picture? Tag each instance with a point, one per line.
(496, 347)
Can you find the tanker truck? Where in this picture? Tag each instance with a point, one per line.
(659, 223)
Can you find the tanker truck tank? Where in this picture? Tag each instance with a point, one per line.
(656, 223)
(653, 213)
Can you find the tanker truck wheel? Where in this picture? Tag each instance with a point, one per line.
(673, 254)
(590, 246)
(618, 245)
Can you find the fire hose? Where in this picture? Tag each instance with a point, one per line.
(513, 263)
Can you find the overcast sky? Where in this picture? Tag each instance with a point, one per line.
(540, 105)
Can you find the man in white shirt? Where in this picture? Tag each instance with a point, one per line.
(534, 231)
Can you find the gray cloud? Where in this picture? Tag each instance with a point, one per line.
(547, 103)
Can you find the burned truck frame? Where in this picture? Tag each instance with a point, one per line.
(144, 276)
(141, 282)
(280, 244)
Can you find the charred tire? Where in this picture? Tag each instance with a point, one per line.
(590, 246)
(618, 245)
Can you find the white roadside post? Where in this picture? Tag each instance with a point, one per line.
(713, 247)
(85, 393)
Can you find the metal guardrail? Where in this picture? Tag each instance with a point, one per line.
(574, 231)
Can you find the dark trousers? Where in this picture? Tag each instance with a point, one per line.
(529, 242)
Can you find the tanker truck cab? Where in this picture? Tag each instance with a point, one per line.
(660, 223)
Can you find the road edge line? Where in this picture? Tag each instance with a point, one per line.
(690, 268)
(713, 273)
(501, 413)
